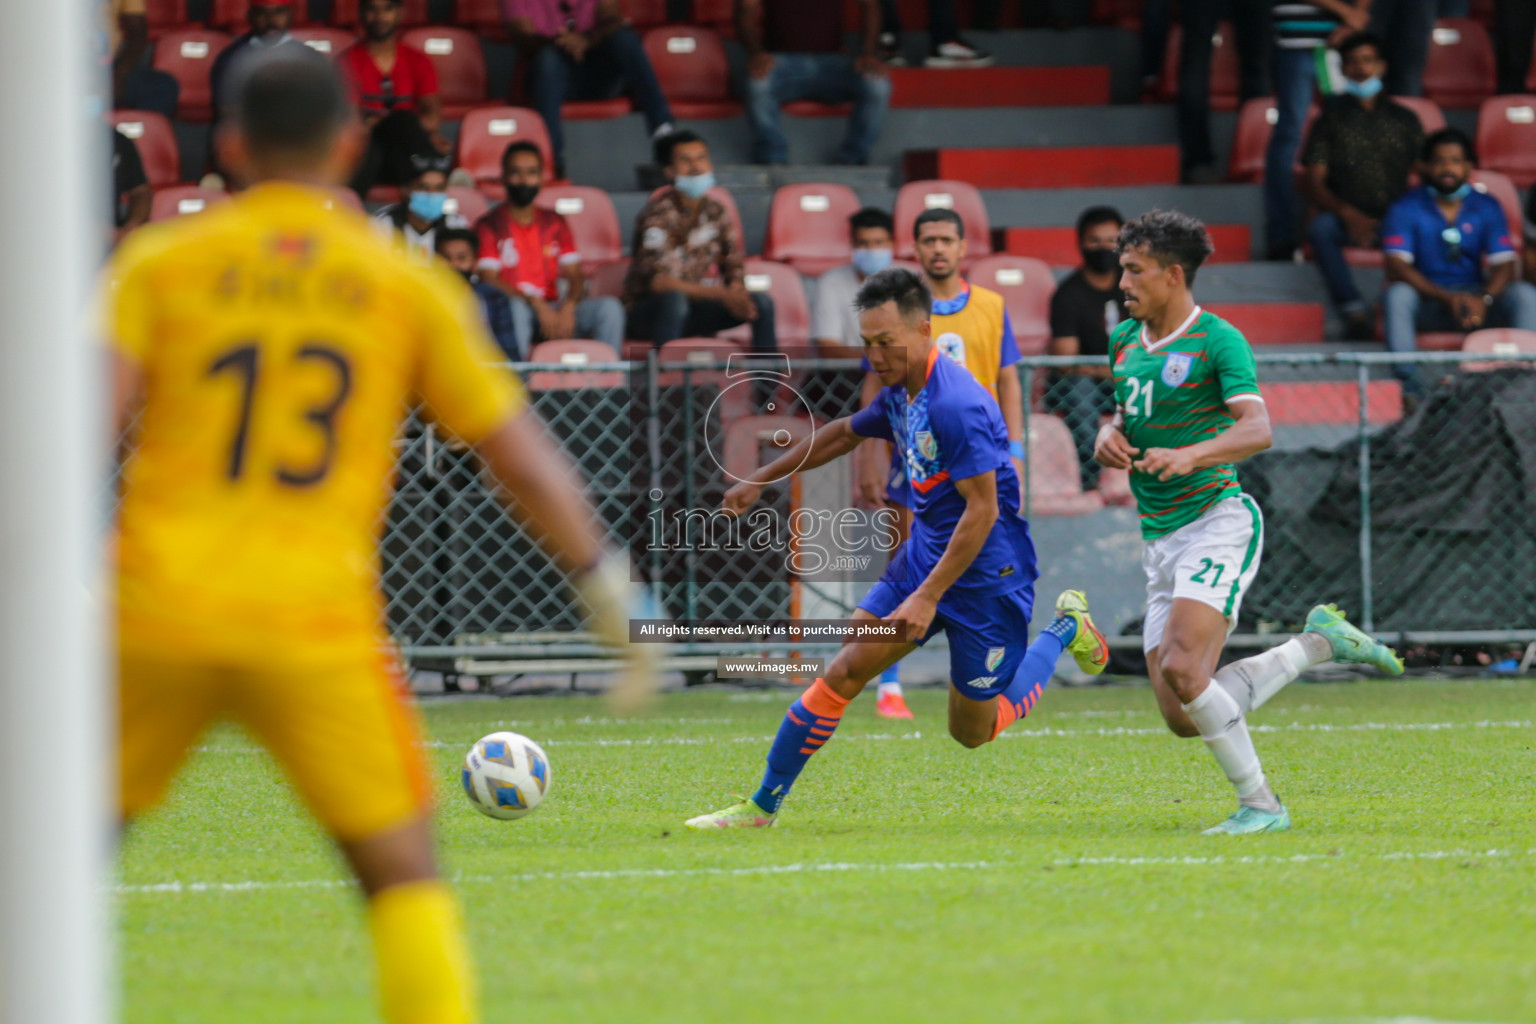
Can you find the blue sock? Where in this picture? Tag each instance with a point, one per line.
(891, 675)
(801, 734)
(1039, 664)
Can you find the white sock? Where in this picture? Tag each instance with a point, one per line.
(1252, 681)
(888, 690)
(1225, 732)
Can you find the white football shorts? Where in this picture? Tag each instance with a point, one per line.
(1212, 560)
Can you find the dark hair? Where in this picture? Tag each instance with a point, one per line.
(1096, 215)
(899, 285)
(1446, 137)
(1355, 40)
(938, 215)
(663, 147)
(456, 235)
(287, 99)
(1169, 237)
(520, 146)
(871, 217)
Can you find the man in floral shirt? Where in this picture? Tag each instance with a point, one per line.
(686, 280)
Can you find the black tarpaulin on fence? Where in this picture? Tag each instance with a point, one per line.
(1453, 515)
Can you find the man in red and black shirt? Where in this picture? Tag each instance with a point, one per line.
(529, 253)
(396, 90)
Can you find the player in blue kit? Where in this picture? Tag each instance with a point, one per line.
(967, 569)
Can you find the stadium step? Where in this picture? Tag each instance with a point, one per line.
(1080, 85)
(1048, 167)
(1058, 245)
(1274, 323)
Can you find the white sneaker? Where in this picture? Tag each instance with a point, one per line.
(957, 54)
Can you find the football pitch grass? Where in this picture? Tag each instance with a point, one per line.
(1057, 875)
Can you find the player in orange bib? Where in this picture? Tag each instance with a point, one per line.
(268, 349)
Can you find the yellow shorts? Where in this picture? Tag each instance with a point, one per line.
(347, 736)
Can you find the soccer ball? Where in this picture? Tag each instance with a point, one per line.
(506, 775)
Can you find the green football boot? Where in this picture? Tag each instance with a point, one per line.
(745, 814)
(1349, 644)
(1251, 821)
(1088, 647)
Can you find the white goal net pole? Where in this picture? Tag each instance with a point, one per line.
(55, 777)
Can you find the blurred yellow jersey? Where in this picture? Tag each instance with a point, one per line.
(282, 343)
(973, 329)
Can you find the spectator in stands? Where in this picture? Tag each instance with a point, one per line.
(1530, 237)
(136, 85)
(1438, 239)
(1514, 38)
(1358, 158)
(1198, 19)
(396, 87)
(270, 21)
(529, 253)
(795, 52)
(1302, 30)
(1405, 27)
(583, 50)
(131, 194)
(687, 278)
(945, 47)
(834, 324)
(421, 214)
(458, 246)
(1086, 308)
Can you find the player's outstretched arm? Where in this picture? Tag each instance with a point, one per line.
(1248, 435)
(833, 441)
(980, 494)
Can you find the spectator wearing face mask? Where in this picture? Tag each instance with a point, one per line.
(834, 324)
(422, 212)
(457, 247)
(530, 254)
(1357, 158)
(687, 279)
(1086, 308)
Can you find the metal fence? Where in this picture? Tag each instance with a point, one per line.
(1403, 487)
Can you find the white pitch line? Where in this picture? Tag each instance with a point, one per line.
(176, 888)
(1012, 734)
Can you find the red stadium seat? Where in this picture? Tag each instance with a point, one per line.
(754, 441)
(348, 13)
(230, 15)
(594, 222)
(467, 203)
(182, 200)
(646, 14)
(719, 15)
(723, 196)
(1500, 341)
(573, 353)
(460, 64)
(165, 15)
(596, 110)
(1506, 138)
(188, 54)
(735, 403)
(1224, 67)
(1026, 285)
(485, 134)
(1501, 188)
(1460, 69)
(1255, 124)
(1431, 117)
(808, 227)
(791, 311)
(325, 39)
(608, 279)
(478, 15)
(693, 71)
(1440, 341)
(1055, 479)
(151, 134)
(917, 196)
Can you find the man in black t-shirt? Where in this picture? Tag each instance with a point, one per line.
(1086, 308)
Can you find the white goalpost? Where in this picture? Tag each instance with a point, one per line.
(55, 774)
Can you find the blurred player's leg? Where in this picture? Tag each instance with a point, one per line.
(808, 724)
(890, 700)
(162, 709)
(350, 742)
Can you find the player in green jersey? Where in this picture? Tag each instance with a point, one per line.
(1188, 408)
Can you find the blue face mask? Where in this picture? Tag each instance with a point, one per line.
(428, 205)
(1457, 195)
(871, 261)
(695, 185)
(1362, 90)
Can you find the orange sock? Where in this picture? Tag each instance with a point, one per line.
(1006, 716)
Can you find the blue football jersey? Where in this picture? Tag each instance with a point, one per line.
(953, 429)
